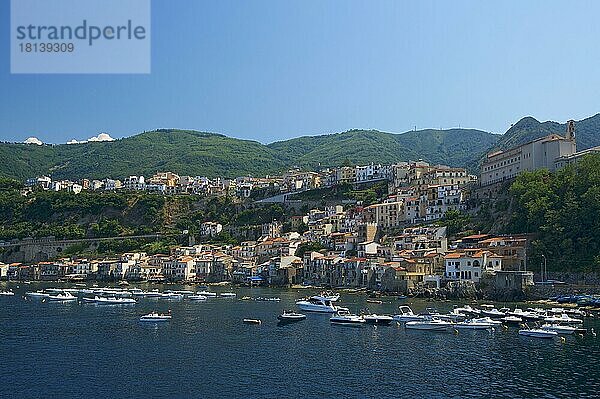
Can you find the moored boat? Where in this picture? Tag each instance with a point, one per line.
(207, 294)
(512, 320)
(538, 333)
(560, 329)
(228, 295)
(345, 318)
(474, 325)
(37, 294)
(378, 319)
(406, 314)
(64, 297)
(291, 317)
(197, 298)
(430, 325)
(317, 303)
(7, 293)
(156, 317)
(252, 321)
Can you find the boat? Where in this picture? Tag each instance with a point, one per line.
(514, 320)
(526, 315)
(562, 319)
(468, 310)
(137, 292)
(375, 301)
(197, 298)
(474, 325)
(155, 317)
(345, 318)
(317, 303)
(431, 325)
(172, 296)
(65, 297)
(493, 313)
(7, 293)
(291, 317)
(252, 321)
(494, 323)
(538, 333)
(109, 301)
(228, 295)
(378, 319)
(37, 294)
(406, 314)
(153, 294)
(207, 294)
(560, 329)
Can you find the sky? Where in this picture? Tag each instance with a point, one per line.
(273, 70)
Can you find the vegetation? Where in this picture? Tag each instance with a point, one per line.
(562, 210)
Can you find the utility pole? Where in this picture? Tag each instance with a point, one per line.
(545, 269)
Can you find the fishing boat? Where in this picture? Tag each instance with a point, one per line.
(406, 314)
(156, 317)
(538, 333)
(197, 298)
(7, 293)
(318, 303)
(378, 319)
(345, 318)
(431, 325)
(291, 317)
(64, 297)
(228, 295)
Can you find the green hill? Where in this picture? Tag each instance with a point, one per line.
(454, 147)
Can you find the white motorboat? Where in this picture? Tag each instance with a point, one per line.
(431, 325)
(172, 296)
(290, 317)
(562, 319)
(406, 314)
(493, 313)
(252, 321)
(37, 294)
(495, 323)
(526, 315)
(560, 329)
(228, 294)
(378, 319)
(65, 297)
(538, 333)
(207, 294)
(474, 325)
(197, 298)
(7, 293)
(137, 292)
(153, 294)
(468, 310)
(317, 303)
(156, 317)
(345, 318)
(514, 320)
(54, 290)
(109, 301)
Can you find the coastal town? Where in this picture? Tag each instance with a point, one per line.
(400, 244)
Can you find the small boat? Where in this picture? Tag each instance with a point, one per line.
(406, 314)
(153, 294)
(495, 323)
(65, 297)
(402, 297)
(560, 329)
(526, 315)
(109, 301)
(197, 298)
(493, 313)
(562, 319)
(468, 310)
(474, 325)
(252, 321)
(37, 294)
(431, 325)
(228, 295)
(378, 319)
(172, 296)
(155, 317)
(513, 320)
(207, 294)
(291, 317)
(345, 318)
(318, 303)
(538, 333)
(375, 301)
(7, 293)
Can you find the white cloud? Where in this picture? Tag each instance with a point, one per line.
(75, 142)
(33, 140)
(101, 137)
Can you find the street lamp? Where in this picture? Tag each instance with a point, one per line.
(545, 270)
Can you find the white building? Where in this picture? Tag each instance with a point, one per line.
(470, 265)
(210, 229)
(134, 183)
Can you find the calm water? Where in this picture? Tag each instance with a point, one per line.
(51, 350)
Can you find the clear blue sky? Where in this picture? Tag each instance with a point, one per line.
(271, 70)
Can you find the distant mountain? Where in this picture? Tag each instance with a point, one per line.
(189, 152)
(454, 147)
(587, 132)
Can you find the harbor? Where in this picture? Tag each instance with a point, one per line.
(238, 343)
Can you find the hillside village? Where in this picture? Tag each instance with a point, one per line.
(399, 244)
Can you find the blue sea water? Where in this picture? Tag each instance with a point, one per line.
(71, 350)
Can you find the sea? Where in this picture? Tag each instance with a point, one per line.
(74, 350)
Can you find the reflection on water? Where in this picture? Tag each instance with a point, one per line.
(70, 350)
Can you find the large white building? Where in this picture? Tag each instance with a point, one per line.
(538, 154)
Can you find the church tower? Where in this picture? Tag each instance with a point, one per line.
(570, 130)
